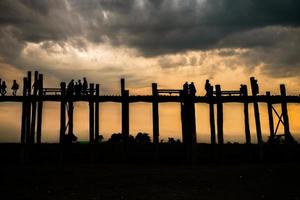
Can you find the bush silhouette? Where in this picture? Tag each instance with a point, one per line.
(142, 138)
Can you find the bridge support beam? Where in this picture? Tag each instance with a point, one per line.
(92, 114)
(244, 92)
(287, 134)
(28, 105)
(271, 119)
(255, 91)
(219, 115)
(62, 113)
(97, 134)
(33, 111)
(24, 113)
(155, 114)
(212, 116)
(39, 110)
(125, 111)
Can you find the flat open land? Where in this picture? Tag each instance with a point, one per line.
(147, 181)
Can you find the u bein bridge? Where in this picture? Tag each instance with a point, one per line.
(35, 94)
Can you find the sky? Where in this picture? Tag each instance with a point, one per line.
(143, 41)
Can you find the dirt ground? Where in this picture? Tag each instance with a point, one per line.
(120, 181)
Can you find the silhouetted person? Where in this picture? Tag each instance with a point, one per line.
(208, 87)
(70, 89)
(84, 86)
(185, 88)
(192, 89)
(15, 88)
(80, 86)
(77, 89)
(3, 88)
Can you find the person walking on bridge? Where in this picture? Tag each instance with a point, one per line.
(3, 88)
(15, 88)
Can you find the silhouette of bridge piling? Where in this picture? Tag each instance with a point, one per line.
(34, 95)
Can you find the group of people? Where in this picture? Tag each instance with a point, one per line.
(14, 88)
(189, 89)
(78, 88)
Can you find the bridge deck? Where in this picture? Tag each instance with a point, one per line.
(150, 99)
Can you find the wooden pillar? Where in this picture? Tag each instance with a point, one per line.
(270, 114)
(62, 113)
(244, 92)
(125, 110)
(28, 105)
(70, 115)
(97, 114)
(219, 115)
(155, 115)
(212, 117)
(24, 112)
(40, 109)
(92, 114)
(255, 91)
(33, 112)
(284, 110)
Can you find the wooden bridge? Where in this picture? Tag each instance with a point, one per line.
(32, 100)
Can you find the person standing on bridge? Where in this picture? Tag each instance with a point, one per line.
(84, 86)
(70, 89)
(3, 88)
(208, 88)
(185, 88)
(15, 88)
(192, 89)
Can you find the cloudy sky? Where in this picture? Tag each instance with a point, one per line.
(163, 41)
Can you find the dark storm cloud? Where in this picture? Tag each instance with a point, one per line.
(152, 27)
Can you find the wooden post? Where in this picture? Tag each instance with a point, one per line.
(219, 115)
(155, 115)
(255, 91)
(40, 109)
(92, 114)
(70, 116)
(24, 113)
(212, 117)
(33, 113)
(125, 111)
(270, 114)
(284, 110)
(97, 114)
(62, 113)
(244, 92)
(28, 105)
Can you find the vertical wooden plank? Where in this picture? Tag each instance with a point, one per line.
(287, 133)
(270, 114)
(40, 109)
(219, 115)
(155, 114)
(92, 114)
(255, 91)
(28, 105)
(212, 117)
(125, 111)
(246, 114)
(97, 114)
(62, 113)
(33, 113)
(70, 116)
(24, 112)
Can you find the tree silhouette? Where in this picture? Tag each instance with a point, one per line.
(142, 138)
